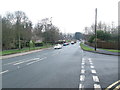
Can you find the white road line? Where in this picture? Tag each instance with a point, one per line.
(16, 61)
(26, 61)
(92, 66)
(82, 77)
(81, 86)
(83, 58)
(93, 71)
(82, 66)
(91, 63)
(32, 62)
(82, 63)
(89, 59)
(4, 72)
(95, 79)
(82, 71)
(36, 61)
(97, 87)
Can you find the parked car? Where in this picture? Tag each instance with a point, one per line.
(58, 46)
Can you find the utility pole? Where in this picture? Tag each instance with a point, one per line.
(95, 28)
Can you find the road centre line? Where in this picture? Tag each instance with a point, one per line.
(4, 72)
(95, 79)
(97, 87)
(26, 61)
(82, 77)
(91, 63)
(36, 61)
(15, 61)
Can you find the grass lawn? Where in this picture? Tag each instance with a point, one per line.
(90, 49)
(7, 52)
(111, 50)
(85, 47)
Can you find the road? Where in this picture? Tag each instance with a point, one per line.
(69, 67)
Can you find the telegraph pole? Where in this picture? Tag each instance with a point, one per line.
(95, 28)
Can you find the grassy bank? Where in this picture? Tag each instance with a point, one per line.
(84, 47)
(13, 51)
(111, 50)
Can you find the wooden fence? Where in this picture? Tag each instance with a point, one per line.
(105, 45)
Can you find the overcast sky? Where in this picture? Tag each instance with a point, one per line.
(69, 15)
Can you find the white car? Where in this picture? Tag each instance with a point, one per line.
(58, 46)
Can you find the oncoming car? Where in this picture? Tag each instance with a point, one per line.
(58, 46)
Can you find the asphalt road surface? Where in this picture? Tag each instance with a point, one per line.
(69, 67)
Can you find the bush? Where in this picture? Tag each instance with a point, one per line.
(39, 44)
(101, 35)
(91, 38)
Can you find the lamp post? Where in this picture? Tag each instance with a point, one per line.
(95, 28)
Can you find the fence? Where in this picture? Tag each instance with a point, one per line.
(105, 45)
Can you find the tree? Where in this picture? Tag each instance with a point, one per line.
(78, 35)
(16, 30)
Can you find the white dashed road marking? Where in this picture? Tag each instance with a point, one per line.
(82, 66)
(36, 61)
(93, 71)
(95, 79)
(26, 61)
(81, 86)
(82, 71)
(82, 77)
(97, 87)
(4, 72)
(92, 66)
(91, 63)
(83, 63)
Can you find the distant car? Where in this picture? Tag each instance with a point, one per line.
(58, 46)
(72, 42)
(65, 44)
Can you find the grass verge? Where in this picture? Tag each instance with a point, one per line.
(111, 50)
(13, 51)
(85, 47)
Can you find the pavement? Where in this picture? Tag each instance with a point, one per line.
(100, 51)
(69, 67)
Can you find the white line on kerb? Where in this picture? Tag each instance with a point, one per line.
(97, 87)
(93, 71)
(4, 72)
(82, 71)
(82, 77)
(92, 66)
(81, 86)
(95, 79)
